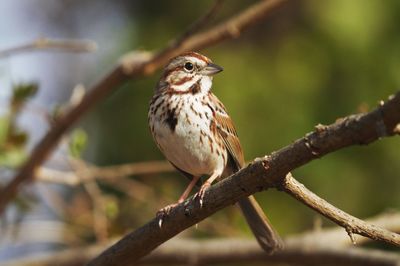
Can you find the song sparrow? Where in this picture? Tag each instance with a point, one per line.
(194, 131)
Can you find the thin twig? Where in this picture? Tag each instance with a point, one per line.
(119, 75)
(351, 224)
(100, 221)
(47, 44)
(69, 178)
(197, 25)
(230, 29)
(74, 178)
(337, 237)
(264, 173)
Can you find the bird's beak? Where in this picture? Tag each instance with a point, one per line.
(211, 69)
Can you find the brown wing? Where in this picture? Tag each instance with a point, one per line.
(227, 131)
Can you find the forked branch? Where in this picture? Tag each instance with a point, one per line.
(351, 224)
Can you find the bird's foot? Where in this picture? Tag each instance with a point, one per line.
(164, 212)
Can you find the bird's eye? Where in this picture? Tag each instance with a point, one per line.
(189, 66)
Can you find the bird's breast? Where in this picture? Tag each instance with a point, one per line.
(183, 132)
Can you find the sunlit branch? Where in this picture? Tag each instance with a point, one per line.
(351, 224)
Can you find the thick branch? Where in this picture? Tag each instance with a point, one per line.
(328, 245)
(171, 251)
(226, 251)
(352, 224)
(246, 252)
(262, 174)
(135, 66)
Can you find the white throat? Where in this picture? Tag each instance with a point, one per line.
(205, 84)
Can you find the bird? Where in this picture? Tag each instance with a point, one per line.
(193, 130)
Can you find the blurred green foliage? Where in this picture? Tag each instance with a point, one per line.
(12, 138)
(311, 62)
(77, 142)
(21, 93)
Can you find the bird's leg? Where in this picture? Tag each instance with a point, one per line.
(188, 189)
(205, 186)
(162, 213)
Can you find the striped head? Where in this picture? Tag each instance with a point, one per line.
(189, 73)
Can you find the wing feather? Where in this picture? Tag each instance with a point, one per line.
(227, 132)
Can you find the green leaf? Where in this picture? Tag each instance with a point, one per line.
(77, 142)
(17, 138)
(21, 93)
(111, 209)
(12, 158)
(4, 127)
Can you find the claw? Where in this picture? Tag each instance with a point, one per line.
(163, 213)
(202, 192)
(160, 222)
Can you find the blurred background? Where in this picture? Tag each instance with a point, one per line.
(310, 62)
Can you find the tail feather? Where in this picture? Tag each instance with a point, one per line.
(259, 224)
